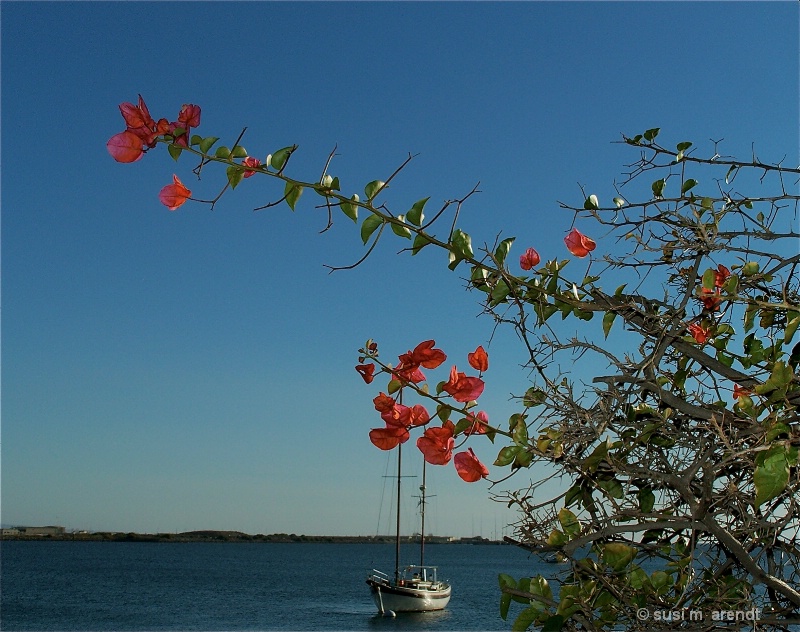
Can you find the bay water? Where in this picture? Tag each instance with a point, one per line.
(103, 586)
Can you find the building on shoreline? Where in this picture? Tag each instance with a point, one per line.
(33, 531)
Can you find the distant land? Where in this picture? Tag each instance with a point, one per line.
(52, 533)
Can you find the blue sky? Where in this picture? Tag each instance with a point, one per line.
(194, 370)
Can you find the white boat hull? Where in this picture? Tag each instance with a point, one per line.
(426, 598)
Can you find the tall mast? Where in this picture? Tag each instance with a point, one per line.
(422, 513)
(397, 540)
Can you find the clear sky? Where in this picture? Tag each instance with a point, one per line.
(194, 370)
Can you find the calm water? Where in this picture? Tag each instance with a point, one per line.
(170, 586)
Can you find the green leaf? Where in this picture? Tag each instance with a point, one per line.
(373, 188)
(652, 133)
(618, 555)
(790, 330)
(505, 581)
(207, 143)
(401, 231)
(235, 175)
(591, 203)
(420, 241)
(557, 538)
(462, 425)
(502, 250)
(239, 152)
(554, 623)
(369, 226)
(573, 495)
(415, 215)
(647, 500)
(772, 475)
(658, 188)
(351, 210)
(533, 397)
(292, 193)
(661, 581)
(688, 184)
(707, 203)
(520, 432)
(619, 202)
(780, 378)
(174, 151)
(195, 140)
(525, 619)
(279, 158)
(499, 292)
(709, 278)
(750, 268)
(393, 386)
(462, 244)
(683, 146)
(223, 152)
(569, 522)
(536, 586)
(613, 487)
(608, 320)
(506, 455)
(732, 171)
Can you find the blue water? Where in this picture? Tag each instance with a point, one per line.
(172, 586)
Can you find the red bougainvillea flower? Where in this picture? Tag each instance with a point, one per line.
(174, 195)
(710, 299)
(397, 415)
(423, 354)
(479, 423)
(367, 371)
(579, 244)
(721, 274)
(138, 119)
(139, 123)
(125, 147)
(383, 403)
(699, 333)
(740, 391)
(436, 444)
(479, 359)
(250, 162)
(468, 466)
(189, 116)
(389, 437)
(463, 388)
(408, 373)
(419, 416)
(529, 259)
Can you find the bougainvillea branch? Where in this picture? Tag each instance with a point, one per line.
(672, 418)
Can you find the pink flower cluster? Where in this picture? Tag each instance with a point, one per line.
(436, 443)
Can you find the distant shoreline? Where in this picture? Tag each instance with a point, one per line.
(237, 536)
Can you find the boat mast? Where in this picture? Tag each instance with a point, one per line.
(397, 539)
(422, 513)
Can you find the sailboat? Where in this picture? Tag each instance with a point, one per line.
(415, 588)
